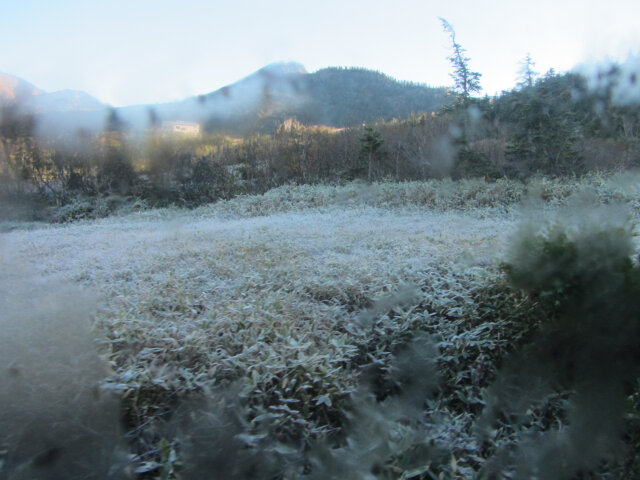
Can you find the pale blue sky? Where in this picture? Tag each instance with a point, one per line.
(138, 51)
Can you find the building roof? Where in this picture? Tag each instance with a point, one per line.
(180, 122)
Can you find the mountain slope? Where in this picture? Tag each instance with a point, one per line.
(230, 109)
(55, 113)
(15, 89)
(340, 97)
(260, 102)
(65, 101)
(337, 97)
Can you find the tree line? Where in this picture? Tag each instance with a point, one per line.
(552, 124)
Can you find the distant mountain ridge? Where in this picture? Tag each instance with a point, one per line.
(260, 102)
(16, 90)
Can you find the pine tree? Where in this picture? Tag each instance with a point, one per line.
(466, 81)
(545, 130)
(527, 73)
(371, 147)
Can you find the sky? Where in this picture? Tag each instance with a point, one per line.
(127, 52)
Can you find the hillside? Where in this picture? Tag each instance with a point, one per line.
(14, 89)
(349, 96)
(260, 102)
(67, 101)
(247, 105)
(55, 112)
(337, 97)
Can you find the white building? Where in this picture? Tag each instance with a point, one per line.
(184, 128)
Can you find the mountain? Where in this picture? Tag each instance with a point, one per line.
(238, 108)
(20, 92)
(350, 96)
(260, 102)
(14, 89)
(56, 113)
(66, 101)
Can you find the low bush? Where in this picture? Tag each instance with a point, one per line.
(580, 270)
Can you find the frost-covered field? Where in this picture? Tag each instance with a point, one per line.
(288, 294)
(253, 292)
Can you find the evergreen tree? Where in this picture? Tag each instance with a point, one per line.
(371, 147)
(527, 73)
(466, 115)
(546, 127)
(465, 80)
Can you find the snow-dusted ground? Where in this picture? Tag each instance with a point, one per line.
(368, 247)
(167, 280)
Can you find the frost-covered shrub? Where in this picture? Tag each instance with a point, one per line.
(583, 260)
(79, 209)
(579, 268)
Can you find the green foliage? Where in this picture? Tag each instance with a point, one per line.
(371, 148)
(371, 140)
(562, 269)
(471, 163)
(347, 97)
(546, 127)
